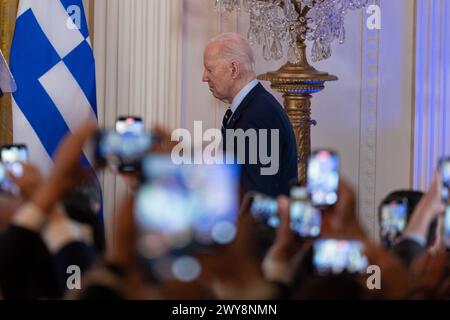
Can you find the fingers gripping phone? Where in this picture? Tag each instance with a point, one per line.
(180, 206)
(394, 216)
(122, 152)
(124, 148)
(323, 178)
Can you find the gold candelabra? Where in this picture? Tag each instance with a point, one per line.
(297, 82)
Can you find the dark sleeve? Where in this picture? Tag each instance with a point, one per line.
(407, 250)
(77, 254)
(97, 288)
(283, 291)
(99, 292)
(264, 175)
(25, 266)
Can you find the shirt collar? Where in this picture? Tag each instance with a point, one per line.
(237, 100)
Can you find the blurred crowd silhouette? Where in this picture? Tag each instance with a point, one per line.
(186, 232)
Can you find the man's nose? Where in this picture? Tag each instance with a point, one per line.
(205, 77)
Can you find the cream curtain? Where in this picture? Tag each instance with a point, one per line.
(138, 51)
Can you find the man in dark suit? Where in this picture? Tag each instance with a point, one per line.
(255, 128)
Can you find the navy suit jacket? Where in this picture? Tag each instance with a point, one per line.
(260, 110)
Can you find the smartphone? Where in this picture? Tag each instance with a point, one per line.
(444, 170)
(3, 177)
(305, 219)
(394, 215)
(323, 178)
(130, 125)
(447, 227)
(185, 207)
(12, 156)
(123, 152)
(264, 209)
(6, 184)
(332, 256)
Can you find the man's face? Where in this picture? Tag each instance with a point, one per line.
(217, 74)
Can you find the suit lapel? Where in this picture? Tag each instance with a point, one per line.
(236, 115)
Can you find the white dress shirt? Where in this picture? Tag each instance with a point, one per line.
(237, 100)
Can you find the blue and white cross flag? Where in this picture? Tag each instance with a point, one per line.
(53, 64)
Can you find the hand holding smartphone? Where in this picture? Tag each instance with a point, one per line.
(323, 178)
(305, 219)
(12, 157)
(124, 148)
(264, 209)
(185, 206)
(444, 171)
(394, 215)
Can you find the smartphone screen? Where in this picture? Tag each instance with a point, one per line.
(393, 220)
(123, 152)
(6, 184)
(323, 178)
(331, 256)
(130, 125)
(3, 176)
(447, 227)
(184, 206)
(12, 156)
(444, 170)
(305, 218)
(264, 209)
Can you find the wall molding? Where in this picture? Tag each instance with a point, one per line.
(370, 59)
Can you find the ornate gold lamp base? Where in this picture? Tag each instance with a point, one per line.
(297, 82)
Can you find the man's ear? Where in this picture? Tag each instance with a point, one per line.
(235, 69)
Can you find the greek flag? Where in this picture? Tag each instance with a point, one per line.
(53, 64)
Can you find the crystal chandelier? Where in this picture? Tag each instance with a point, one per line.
(273, 22)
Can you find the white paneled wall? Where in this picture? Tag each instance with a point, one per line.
(149, 61)
(138, 61)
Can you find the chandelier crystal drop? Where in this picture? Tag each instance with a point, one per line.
(273, 22)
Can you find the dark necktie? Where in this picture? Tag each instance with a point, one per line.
(226, 117)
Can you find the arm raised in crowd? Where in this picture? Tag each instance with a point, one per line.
(67, 171)
(340, 222)
(394, 278)
(414, 238)
(40, 233)
(277, 264)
